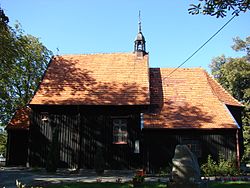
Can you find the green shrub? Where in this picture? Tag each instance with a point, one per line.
(138, 179)
(3, 142)
(209, 168)
(221, 168)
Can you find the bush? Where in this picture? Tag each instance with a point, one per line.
(138, 180)
(221, 168)
(209, 168)
(3, 142)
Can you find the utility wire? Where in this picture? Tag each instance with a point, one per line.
(202, 46)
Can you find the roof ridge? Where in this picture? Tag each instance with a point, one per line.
(191, 68)
(208, 76)
(97, 53)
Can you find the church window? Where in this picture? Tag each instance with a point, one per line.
(120, 133)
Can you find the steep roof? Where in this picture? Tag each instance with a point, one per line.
(20, 119)
(188, 98)
(95, 79)
(221, 93)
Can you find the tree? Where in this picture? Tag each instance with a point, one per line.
(219, 8)
(23, 61)
(3, 142)
(242, 45)
(234, 75)
(3, 18)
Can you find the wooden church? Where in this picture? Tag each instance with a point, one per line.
(134, 114)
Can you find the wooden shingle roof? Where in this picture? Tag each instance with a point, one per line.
(221, 93)
(95, 79)
(188, 98)
(20, 120)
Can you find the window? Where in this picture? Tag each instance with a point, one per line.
(120, 133)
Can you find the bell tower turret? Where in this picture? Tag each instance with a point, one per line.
(140, 43)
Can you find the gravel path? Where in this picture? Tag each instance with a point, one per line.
(8, 176)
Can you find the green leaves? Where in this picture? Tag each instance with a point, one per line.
(23, 60)
(195, 9)
(234, 75)
(242, 45)
(219, 8)
(3, 142)
(221, 168)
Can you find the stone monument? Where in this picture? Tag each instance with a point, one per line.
(186, 170)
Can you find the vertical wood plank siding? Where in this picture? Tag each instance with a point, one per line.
(17, 150)
(40, 138)
(80, 133)
(83, 130)
(160, 145)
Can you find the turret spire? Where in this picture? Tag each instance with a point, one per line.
(140, 43)
(139, 21)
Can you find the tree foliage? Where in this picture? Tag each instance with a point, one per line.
(219, 8)
(234, 75)
(3, 18)
(242, 45)
(23, 60)
(3, 142)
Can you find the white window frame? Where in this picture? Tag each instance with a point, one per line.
(120, 131)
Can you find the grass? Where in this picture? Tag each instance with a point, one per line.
(233, 184)
(107, 185)
(230, 184)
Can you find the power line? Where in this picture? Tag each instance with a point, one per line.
(202, 45)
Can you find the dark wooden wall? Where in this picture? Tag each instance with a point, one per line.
(237, 114)
(159, 145)
(80, 132)
(17, 148)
